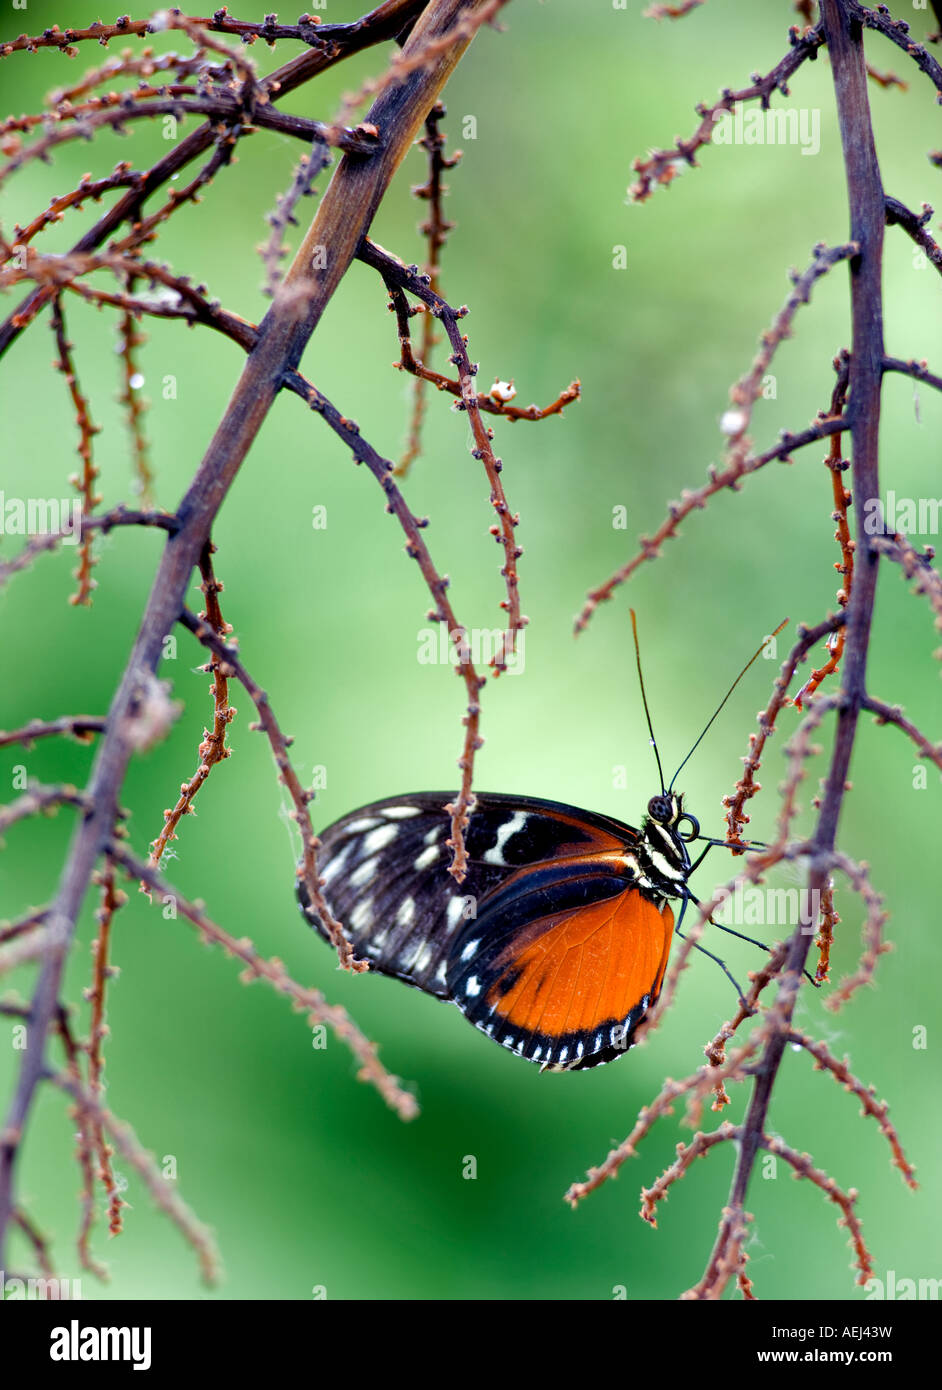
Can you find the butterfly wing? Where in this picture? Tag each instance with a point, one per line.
(563, 963)
(385, 872)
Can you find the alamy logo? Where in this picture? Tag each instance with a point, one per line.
(482, 645)
(38, 516)
(41, 1290)
(895, 1289)
(914, 516)
(752, 906)
(773, 127)
(77, 1343)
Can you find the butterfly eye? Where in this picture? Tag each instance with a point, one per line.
(659, 808)
(694, 828)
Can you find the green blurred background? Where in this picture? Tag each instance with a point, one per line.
(306, 1177)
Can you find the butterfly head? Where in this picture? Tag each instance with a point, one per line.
(667, 829)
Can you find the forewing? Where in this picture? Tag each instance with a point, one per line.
(386, 879)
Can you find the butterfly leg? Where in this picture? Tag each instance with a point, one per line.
(742, 937)
(721, 963)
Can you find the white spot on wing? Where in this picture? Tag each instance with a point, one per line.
(363, 873)
(427, 857)
(361, 915)
(401, 812)
(454, 913)
(470, 949)
(495, 855)
(357, 827)
(472, 986)
(378, 839)
(406, 913)
(332, 869)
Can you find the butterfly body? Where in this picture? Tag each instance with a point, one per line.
(556, 943)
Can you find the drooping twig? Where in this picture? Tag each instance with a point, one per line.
(661, 166)
(130, 338)
(804, 1168)
(915, 226)
(691, 501)
(435, 229)
(84, 483)
(892, 714)
(272, 971)
(229, 664)
(81, 727)
(825, 1060)
(213, 748)
(442, 612)
(845, 566)
(111, 899)
(163, 1192)
(343, 217)
(398, 276)
(747, 787)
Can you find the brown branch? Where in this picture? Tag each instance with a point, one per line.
(343, 217)
(41, 800)
(661, 166)
(493, 402)
(747, 787)
(804, 1168)
(897, 31)
(915, 225)
(398, 276)
(310, 166)
(886, 79)
(123, 177)
(435, 229)
(383, 23)
(85, 1143)
(81, 727)
(228, 664)
(893, 714)
(27, 923)
(874, 945)
(698, 1084)
(926, 579)
(715, 1051)
(213, 748)
(845, 566)
(650, 546)
(163, 1193)
(111, 900)
(272, 971)
(867, 211)
(105, 522)
(442, 612)
(698, 1147)
(37, 1240)
(918, 370)
(659, 11)
(84, 484)
(129, 340)
(824, 1060)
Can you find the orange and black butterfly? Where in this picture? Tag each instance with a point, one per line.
(556, 943)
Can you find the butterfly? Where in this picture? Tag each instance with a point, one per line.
(556, 943)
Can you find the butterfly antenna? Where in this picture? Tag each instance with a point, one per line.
(644, 698)
(729, 692)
